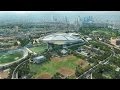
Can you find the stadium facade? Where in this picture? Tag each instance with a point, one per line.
(63, 40)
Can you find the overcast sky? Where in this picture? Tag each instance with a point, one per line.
(82, 12)
(48, 15)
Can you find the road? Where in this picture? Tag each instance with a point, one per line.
(14, 72)
(91, 70)
(94, 67)
(25, 55)
(112, 46)
(100, 63)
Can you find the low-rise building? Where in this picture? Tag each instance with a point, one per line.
(39, 59)
(64, 52)
(88, 38)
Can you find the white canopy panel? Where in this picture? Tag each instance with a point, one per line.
(61, 38)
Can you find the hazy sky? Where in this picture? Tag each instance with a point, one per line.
(82, 12)
(48, 15)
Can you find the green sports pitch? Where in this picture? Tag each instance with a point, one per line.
(9, 57)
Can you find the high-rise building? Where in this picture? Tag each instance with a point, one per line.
(16, 28)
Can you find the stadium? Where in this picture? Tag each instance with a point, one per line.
(64, 40)
(11, 57)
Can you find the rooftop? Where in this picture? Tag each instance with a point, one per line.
(39, 57)
(62, 38)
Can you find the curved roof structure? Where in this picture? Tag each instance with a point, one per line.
(61, 38)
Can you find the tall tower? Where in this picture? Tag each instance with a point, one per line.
(54, 19)
(77, 23)
(80, 21)
(67, 23)
(16, 28)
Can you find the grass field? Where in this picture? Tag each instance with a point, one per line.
(6, 58)
(67, 64)
(38, 49)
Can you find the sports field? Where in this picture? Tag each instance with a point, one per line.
(38, 49)
(6, 58)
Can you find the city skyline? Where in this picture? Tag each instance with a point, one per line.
(17, 16)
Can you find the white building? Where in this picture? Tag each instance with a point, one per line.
(88, 39)
(64, 51)
(62, 38)
(39, 59)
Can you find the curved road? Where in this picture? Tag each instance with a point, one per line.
(13, 74)
(101, 62)
(93, 68)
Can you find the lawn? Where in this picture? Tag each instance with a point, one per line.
(55, 65)
(6, 58)
(38, 49)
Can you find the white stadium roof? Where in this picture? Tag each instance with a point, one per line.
(61, 38)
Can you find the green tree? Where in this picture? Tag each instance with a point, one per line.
(101, 69)
(12, 68)
(57, 76)
(115, 75)
(98, 75)
(78, 71)
(24, 70)
(24, 41)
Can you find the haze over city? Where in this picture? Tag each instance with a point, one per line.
(40, 16)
